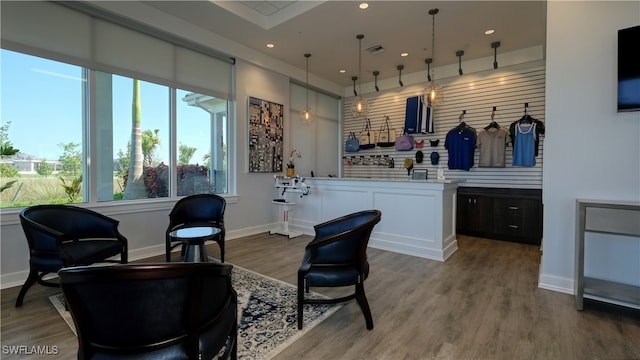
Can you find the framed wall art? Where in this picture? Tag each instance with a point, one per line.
(266, 132)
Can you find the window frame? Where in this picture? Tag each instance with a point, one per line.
(90, 148)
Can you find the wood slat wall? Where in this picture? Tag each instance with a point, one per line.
(507, 90)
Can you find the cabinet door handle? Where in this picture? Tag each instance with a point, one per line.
(513, 208)
(513, 226)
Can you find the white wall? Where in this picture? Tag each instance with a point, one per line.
(591, 151)
(255, 190)
(317, 139)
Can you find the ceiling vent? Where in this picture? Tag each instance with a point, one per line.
(375, 49)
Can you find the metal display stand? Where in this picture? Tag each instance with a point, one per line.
(288, 184)
(612, 218)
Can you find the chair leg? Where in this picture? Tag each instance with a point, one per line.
(170, 248)
(31, 279)
(221, 244)
(301, 287)
(364, 305)
(234, 348)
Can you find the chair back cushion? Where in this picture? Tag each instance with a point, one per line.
(159, 309)
(70, 221)
(53, 231)
(198, 208)
(352, 233)
(337, 256)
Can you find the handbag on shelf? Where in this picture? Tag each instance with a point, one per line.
(404, 142)
(387, 136)
(352, 144)
(367, 136)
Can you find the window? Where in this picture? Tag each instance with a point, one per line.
(130, 102)
(42, 116)
(45, 116)
(88, 106)
(201, 131)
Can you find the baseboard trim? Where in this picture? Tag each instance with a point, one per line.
(556, 283)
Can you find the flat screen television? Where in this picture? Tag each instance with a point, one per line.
(629, 69)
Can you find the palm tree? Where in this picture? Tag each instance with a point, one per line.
(150, 141)
(135, 189)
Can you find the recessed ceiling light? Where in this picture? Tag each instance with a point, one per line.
(342, 71)
(404, 54)
(363, 6)
(489, 32)
(270, 46)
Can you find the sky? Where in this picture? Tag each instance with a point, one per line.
(43, 101)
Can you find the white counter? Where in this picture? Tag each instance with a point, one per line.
(418, 217)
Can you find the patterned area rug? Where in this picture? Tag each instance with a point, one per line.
(267, 310)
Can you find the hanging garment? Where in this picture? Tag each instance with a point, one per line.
(524, 145)
(528, 119)
(413, 115)
(427, 115)
(492, 143)
(460, 143)
(418, 116)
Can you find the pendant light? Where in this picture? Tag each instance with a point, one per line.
(307, 115)
(359, 107)
(434, 90)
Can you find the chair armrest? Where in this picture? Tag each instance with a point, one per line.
(45, 229)
(304, 268)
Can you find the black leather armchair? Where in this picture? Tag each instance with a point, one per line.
(66, 235)
(153, 311)
(337, 257)
(194, 210)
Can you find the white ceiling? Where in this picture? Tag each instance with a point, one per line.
(328, 29)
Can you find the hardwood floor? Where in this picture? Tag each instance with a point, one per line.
(482, 303)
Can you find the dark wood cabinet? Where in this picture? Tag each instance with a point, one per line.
(473, 213)
(500, 213)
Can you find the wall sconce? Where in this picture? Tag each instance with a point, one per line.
(459, 54)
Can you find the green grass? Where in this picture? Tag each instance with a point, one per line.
(31, 190)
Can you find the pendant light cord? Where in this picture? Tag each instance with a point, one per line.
(359, 37)
(433, 13)
(307, 56)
